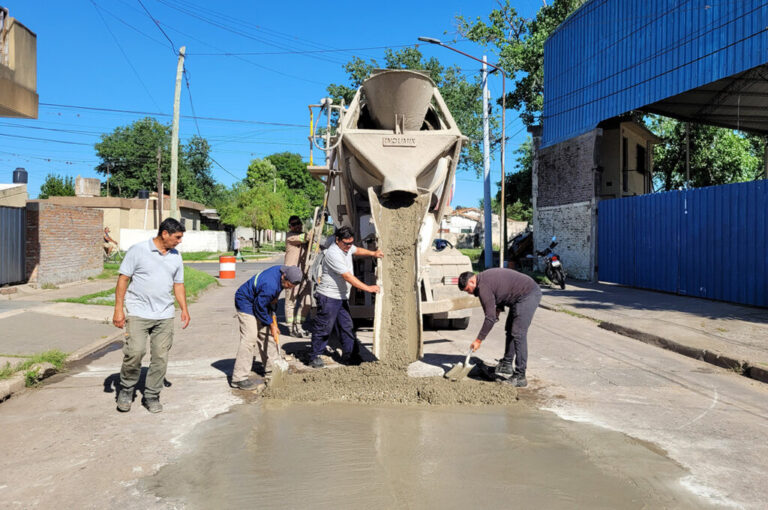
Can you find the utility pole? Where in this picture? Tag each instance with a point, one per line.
(174, 213)
(159, 188)
(488, 219)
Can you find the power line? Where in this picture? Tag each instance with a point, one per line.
(47, 139)
(117, 42)
(136, 112)
(140, 32)
(173, 46)
(301, 52)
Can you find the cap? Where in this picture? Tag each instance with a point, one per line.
(291, 273)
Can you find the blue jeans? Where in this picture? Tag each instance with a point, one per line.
(332, 314)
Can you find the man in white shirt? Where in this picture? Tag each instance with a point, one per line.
(332, 297)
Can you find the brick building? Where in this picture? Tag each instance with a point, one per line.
(571, 177)
(63, 244)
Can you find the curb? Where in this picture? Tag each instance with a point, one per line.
(739, 366)
(17, 382)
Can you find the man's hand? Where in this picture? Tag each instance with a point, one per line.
(374, 289)
(184, 319)
(378, 254)
(118, 319)
(476, 344)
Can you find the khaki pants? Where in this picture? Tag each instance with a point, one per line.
(254, 339)
(160, 333)
(297, 304)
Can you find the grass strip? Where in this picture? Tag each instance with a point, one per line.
(55, 357)
(195, 282)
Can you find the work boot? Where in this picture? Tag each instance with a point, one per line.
(152, 404)
(299, 332)
(124, 400)
(317, 363)
(505, 369)
(248, 384)
(518, 380)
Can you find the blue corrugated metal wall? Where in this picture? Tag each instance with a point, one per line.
(706, 242)
(13, 235)
(613, 56)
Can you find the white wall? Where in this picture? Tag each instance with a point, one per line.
(193, 240)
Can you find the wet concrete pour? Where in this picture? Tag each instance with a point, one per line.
(277, 454)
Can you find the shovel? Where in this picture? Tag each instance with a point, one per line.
(279, 366)
(460, 370)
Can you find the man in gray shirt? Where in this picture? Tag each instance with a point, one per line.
(154, 269)
(497, 288)
(332, 297)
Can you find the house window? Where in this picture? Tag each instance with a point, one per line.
(624, 164)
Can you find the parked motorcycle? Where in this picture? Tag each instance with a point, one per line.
(553, 266)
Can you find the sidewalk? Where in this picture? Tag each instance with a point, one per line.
(723, 334)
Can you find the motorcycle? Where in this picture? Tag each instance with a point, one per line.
(553, 266)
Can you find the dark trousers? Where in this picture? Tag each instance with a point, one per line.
(332, 314)
(519, 320)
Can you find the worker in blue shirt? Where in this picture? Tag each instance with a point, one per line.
(256, 301)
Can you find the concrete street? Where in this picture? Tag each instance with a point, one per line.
(64, 444)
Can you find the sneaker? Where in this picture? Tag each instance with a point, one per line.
(247, 384)
(518, 380)
(504, 369)
(317, 363)
(152, 404)
(124, 400)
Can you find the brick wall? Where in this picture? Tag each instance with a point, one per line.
(572, 224)
(566, 171)
(64, 244)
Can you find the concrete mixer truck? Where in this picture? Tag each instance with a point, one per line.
(389, 175)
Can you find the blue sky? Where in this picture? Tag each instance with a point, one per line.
(109, 54)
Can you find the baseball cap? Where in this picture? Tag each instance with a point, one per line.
(291, 273)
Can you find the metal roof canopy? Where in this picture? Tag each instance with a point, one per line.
(697, 60)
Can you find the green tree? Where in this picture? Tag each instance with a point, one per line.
(129, 157)
(518, 185)
(717, 155)
(260, 171)
(292, 169)
(518, 43)
(258, 207)
(462, 96)
(57, 186)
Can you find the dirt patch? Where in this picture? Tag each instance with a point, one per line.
(398, 221)
(381, 383)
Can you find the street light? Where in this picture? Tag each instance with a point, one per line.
(503, 215)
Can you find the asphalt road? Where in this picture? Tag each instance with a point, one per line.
(64, 445)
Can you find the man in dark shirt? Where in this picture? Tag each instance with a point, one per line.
(497, 288)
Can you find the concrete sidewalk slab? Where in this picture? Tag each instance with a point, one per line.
(33, 332)
(724, 334)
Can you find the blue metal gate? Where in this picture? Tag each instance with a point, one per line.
(706, 242)
(13, 235)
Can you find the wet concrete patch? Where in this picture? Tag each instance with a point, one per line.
(384, 383)
(298, 455)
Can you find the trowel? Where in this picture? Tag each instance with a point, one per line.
(460, 370)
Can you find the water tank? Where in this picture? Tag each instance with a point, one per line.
(143, 194)
(19, 176)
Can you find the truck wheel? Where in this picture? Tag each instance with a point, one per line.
(462, 323)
